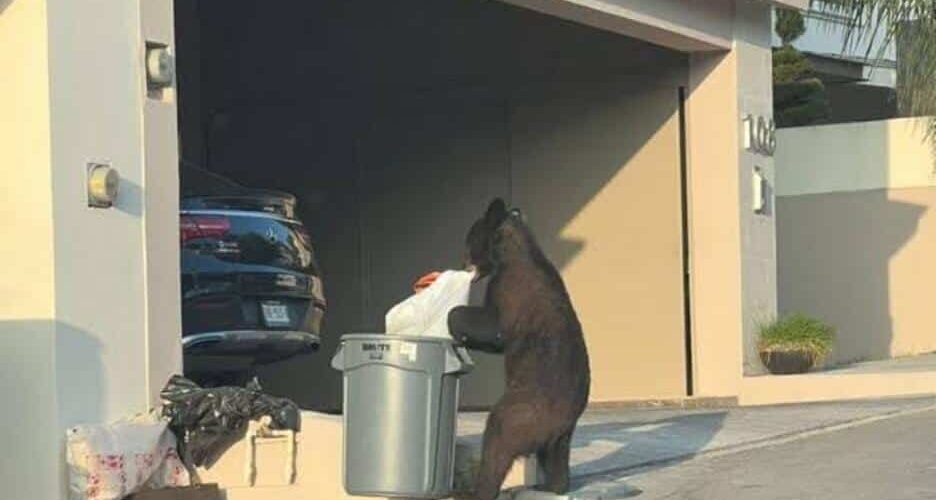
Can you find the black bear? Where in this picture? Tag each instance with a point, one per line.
(546, 362)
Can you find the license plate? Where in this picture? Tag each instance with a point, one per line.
(275, 314)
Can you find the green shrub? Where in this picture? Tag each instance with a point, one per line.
(791, 65)
(796, 332)
(790, 25)
(799, 97)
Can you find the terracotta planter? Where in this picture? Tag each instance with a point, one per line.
(787, 362)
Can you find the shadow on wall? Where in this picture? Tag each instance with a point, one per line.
(51, 378)
(862, 261)
(393, 155)
(570, 139)
(130, 199)
(80, 374)
(39, 356)
(4, 4)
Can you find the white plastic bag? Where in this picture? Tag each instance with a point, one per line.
(109, 462)
(425, 314)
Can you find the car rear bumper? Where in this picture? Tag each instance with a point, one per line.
(245, 347)
(228, 312)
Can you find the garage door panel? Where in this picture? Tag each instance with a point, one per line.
(597, 169)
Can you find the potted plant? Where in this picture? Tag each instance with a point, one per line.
(794, 343)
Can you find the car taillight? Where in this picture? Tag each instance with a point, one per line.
(203, 226)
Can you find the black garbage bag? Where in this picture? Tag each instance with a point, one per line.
(476, 327)
(207, 421)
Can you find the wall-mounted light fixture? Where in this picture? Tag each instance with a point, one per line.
(759, 191)
(160, 66)
(103, 185)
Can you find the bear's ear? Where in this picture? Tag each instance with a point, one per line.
(496, 213)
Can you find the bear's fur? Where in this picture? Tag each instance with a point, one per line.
(546, 362)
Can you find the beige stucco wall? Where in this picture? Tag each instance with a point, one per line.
(160, 213)
(74, 327)
(25, 207)
(758, 243)
(27, 299)
(835, 386)
(100, 288)
(854, 157)
(601, 187)
(732, 260)
(857, 234)
(732, 250)
(714, 224)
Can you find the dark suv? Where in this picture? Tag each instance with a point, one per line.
(251, 288)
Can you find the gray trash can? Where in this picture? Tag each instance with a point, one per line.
(400, 409)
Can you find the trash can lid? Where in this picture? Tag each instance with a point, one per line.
(361, 349)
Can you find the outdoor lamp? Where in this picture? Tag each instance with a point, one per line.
(103, 184)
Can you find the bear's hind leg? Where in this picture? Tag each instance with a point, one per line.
(554, 460)
(510, 432)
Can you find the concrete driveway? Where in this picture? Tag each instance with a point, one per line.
(619, 453)
(892, 458)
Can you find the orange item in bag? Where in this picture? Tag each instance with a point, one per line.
(425, 281)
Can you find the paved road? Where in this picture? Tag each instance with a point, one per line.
(621, 439)
(891, 459)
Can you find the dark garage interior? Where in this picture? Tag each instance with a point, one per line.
(394, 123)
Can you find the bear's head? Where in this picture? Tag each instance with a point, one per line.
(486, 233)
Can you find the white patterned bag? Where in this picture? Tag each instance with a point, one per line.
(109, 462)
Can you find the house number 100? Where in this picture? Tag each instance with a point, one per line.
(760, 135)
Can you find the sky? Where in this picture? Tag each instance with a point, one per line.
(828, 38)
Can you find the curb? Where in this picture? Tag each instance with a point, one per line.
(691, 403)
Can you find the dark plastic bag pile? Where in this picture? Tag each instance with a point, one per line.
(207, 421)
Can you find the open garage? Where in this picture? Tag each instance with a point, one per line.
(395, 123)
